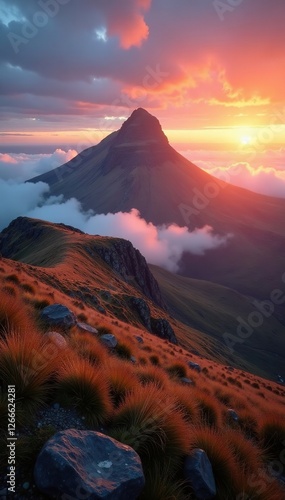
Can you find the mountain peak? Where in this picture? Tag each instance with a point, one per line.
(140, 127)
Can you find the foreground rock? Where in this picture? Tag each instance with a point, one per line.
(87, 464)
(58, 315)
(198, 473)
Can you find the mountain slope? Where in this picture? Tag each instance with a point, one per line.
(136, 167)
(216, 310)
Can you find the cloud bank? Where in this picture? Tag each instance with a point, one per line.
(22, 167)
(163, 245)
(262, 172)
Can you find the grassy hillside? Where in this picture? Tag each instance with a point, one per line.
(215, 310)
(109, 389)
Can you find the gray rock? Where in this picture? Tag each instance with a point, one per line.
(141, 308)
(59, 315)
(186, 381)
(162, 328)
(87, 328)
(139, 339)
(57, 339)
(199, 473)
(232, 414)
(194, 366)
(109, 340)
(133, 359)
(89, 464)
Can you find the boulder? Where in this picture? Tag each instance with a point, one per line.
(194, 366)
(139, 339)
(109, 340)
(232, 414)
(162, 328)
(198, 473)
(88, 464)
(58, 315)
(87, 328)
(57, 339)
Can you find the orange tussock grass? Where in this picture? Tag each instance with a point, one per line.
(272, 435)
(152, 374)
(29, 361)
(226, 470)
(185, 402)
(209, 407)
(82, 386)
(13, 314)
(148, 421)
(260, 486)
(246, 454)
(121, 378)
(88, 347)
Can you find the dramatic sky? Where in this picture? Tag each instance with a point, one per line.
(212, 71)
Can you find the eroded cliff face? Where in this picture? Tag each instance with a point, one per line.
(129, 263)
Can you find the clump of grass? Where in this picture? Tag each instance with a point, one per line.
(40, 304)
(82, 386)
(152, 375)
(210, 412)
(161, 484)
(123, 350)
(26, 287)
(28, 361)
(185, 402)
(248, 424)
(13, 314)
(225, 469)
(104, 330)
(247, 455)
(260, 486)
(272, 435)
(10, 290)
(82, 317)
(154, 359)
(12, 278)
(149, 422)
(177, 370)
(88, 347)
(121, 381)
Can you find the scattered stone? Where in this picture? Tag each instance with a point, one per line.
(199, 473)
(162, 328)
(139, 339)
(87, 328)
(194, 366)
(59, 315)
(109, 340)
(233, 414)
(187, 381)
(133, 359)
(90, 462)
(57, 339)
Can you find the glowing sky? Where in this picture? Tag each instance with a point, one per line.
(72, 70)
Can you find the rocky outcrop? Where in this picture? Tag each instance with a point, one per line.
(87, 464)
(198, 473)
(162, 328)
(141, 308)
(129, 263)
(109, 340)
